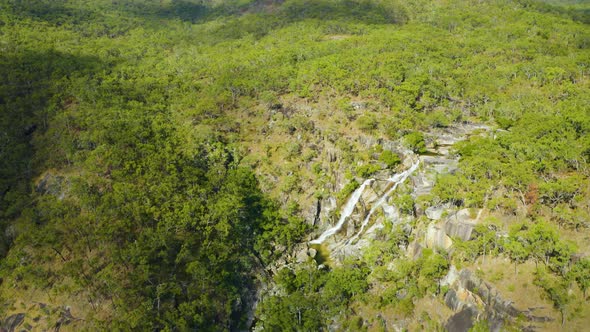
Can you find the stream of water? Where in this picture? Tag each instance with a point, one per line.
(346, 212)
(396, 180)
(353, 200)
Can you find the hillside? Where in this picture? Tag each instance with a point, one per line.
(354, 165)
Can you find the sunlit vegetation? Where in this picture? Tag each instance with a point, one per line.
(156, 159)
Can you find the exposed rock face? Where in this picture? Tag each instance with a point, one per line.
(459, 230)
(12, 322)
(451, 277)
(51, 184)
(444, 139)
(440, 234)
(312, 252)
(461, 224)
(440, 164)
(321, 214)
(414, 250)
(436, 237)
(473, 298)
(434, 212)
(313, 216)
(462, 321)
(422, 184)
(302, 254)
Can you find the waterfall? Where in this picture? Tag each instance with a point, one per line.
(396, 180)
(346, 212)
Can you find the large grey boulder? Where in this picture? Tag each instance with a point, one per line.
(302, 256)
(435, 212)
(436, 237)
(461, 224)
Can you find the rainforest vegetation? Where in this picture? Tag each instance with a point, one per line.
(157, 157)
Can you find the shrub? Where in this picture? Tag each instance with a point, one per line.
(415, 142)
(348, 189)
(367, 122)
(366, 171)
(390, 159)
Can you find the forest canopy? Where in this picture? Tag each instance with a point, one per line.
(157, 157)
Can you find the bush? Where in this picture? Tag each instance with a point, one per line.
(366, 171)
(390, 159)
(367, 122)
(415, 142)
(293, 149)
(405, 204)
(348, 189)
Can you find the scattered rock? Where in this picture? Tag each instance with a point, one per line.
(358, 105)
(401, 294)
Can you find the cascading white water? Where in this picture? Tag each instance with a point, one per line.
(346, 212)
(396, 180)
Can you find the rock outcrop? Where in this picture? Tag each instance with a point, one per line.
(12, 322)
(440, 234)
(41, 317)
(51, 184)
(436, 237)
(472, 299)
(434, 212)
(461, 224)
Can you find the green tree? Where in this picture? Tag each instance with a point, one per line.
(389, 158)
(580, 272)
(415, 142)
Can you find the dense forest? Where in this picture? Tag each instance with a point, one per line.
(162, 163)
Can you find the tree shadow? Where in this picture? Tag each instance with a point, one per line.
(579, 12)
(187, 11)
(255, 17)
(356, 11)
(54, 12)
(30, 85)
(62, 12)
